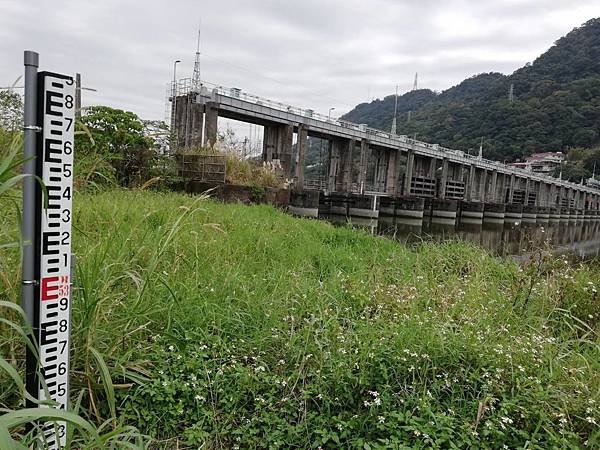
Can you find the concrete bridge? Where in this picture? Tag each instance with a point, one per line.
(380, 173)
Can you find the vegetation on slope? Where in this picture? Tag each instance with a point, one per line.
(241, 327)
(556, 105)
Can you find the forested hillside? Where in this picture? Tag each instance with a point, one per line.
(555, 105)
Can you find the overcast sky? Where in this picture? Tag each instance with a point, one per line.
(311, 53)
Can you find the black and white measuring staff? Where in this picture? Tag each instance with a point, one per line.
(47, 225)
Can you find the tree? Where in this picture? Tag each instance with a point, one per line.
(11, 111)
(554, 104)
(118, 136)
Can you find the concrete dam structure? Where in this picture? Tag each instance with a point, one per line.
(373, 174)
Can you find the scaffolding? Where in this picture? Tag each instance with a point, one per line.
(202, 167)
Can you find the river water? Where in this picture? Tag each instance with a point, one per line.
(581, 240)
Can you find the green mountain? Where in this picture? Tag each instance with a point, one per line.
(555, 105)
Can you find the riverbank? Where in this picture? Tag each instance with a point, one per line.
(240, 326)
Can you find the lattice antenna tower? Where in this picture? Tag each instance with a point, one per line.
(196, 79)
(511, 93)
(414, 89)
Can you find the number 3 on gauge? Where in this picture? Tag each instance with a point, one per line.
(66, 215)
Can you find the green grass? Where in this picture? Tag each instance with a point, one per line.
(233, 326)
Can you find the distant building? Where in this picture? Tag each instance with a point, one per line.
(543, 163)
(520, 165)
(592, 182)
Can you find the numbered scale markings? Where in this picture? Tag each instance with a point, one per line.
(55, 168)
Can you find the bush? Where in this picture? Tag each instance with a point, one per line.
(108, 135)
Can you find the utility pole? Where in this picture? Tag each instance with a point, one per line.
(77, 96)
(414, 89)
(393, 130)
(480, 156)
(174, 102)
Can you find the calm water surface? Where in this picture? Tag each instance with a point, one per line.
(581, 240)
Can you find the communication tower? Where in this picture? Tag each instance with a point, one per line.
(196, 79)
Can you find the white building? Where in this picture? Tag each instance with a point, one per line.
(543, 163)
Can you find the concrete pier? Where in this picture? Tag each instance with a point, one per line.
(409, 210)
(356, 208)
(304, 203)
(301, 154)
(338, 205)
(572, 215)
(565, 214)
(529, 215)
(513, 214)
(493, 213)
(543, 215)
(471, 213)
(387, 207)
(362, 206)
(405, 210)
(444, 212)
(555, 215)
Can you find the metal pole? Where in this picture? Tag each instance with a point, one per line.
(175, 103)
(77, 96)
(28, 227)
(31, 61)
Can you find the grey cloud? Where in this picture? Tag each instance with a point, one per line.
(313, 53)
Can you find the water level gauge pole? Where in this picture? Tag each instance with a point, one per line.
(49, 121)
(30, 131)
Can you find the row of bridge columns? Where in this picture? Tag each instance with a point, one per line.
(192, 121)
(277, 145)
(440, 177)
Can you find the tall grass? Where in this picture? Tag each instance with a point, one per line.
(227, 326)
(15, 338)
